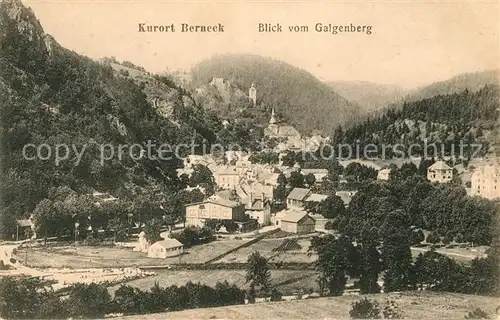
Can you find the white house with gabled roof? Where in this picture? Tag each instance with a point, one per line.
(440, 172)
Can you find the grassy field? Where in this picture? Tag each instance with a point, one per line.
(105, 257)
(414, 305)
(287, 281)
(266, 246)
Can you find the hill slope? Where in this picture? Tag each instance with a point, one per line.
(369, 96)
(444, 120)
(414, 305)
(472, 81)
(303, 99)
(50, 95)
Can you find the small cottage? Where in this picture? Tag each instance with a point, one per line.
(165, 249)
(298, 222)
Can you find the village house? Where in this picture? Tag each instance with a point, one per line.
(383, 174)
(276, 218)
(197, 213)
(165, 248)
(226, 177)
(243, 165)
(316, 197)
(297, 222)
(346, 196)
(485, 182)
(254, 187)
(299, 196)
(257, 205)
(272, 179)
(319, 174)
(287, 171)
(25, 228)
(440, 172)
(259, 209)
(235, 155)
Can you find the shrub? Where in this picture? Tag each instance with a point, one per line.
(447, 238)
(83, 295)
(365, 309)
(477, 314)
(276, 295)
(251, 295)
(287, 244)
(124, 72)
(459, 238)
(331, 225)
(391, 310)
(417, 236)
(433, 238)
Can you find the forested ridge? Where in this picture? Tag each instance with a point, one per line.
(51, 95)
(443, 120)
(307, 102)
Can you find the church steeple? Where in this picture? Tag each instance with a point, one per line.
(273, 118)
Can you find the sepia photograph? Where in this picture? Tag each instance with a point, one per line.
(249, 159)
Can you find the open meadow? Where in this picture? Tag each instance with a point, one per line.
(275, 249)
(287, 281)
(414, 305)
(115, 257)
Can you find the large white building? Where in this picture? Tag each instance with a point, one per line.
(485, 182)
(220, 209)
(440, 172)
(227, 177)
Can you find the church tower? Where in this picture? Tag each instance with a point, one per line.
(252, 94)
(273, 123)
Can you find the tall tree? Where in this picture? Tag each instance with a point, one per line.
(258, 274)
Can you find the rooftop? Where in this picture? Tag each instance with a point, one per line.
(316, 197)
(439, 165)
(298, 194)
(219, 201)
(346, 196)
(226, 170)
(295, 216)
(24, 223)
(169, 243)
(313, 170)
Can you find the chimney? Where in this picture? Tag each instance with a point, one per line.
(250, 200)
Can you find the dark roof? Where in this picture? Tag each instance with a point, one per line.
(258, 204)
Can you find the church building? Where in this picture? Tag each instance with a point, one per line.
(276, 130)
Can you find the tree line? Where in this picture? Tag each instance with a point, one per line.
(31, 298)
(390, 260)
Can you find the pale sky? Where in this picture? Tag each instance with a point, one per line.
(411, 44)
